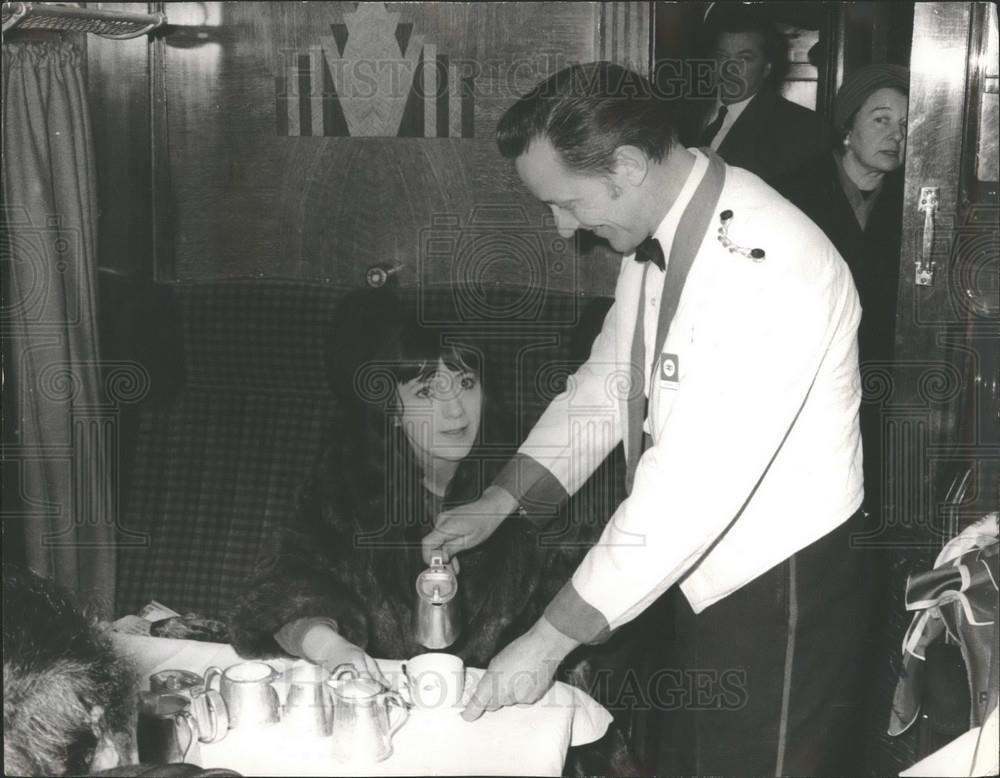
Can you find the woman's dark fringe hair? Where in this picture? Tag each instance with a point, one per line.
(385, 496)
(58, 664)
(418, 351)
(586, 112)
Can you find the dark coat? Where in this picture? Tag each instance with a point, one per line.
(872, 253)
(315, 569)
(772, 137)
(873, 256)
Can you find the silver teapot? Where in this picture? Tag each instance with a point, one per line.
(437, 616)
(365, 717)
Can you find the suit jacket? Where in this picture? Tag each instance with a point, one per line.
(756, 451)
(772, 136)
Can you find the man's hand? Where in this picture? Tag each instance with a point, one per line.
(469, 525)
(522, 672)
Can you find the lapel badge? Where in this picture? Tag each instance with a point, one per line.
(757, 255)
(669, 367)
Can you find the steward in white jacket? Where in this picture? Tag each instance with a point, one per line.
(732, 378)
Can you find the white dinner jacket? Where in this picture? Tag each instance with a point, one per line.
(756, 448)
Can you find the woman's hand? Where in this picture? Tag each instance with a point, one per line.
(466, 526)
(356, 657)
(325, 647)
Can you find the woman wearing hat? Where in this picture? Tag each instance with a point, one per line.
(855, 195)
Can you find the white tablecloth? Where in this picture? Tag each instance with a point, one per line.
(520, 740)
(977, 752)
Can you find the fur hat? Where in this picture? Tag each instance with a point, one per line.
(860, 84)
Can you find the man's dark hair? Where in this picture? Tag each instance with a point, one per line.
(587, 112)
(57, 666)
(735, 18)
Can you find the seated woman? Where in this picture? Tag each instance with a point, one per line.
(69, 699)
(420, 433)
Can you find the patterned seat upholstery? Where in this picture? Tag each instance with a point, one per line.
(240, 405)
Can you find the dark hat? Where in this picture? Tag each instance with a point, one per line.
(860, 84)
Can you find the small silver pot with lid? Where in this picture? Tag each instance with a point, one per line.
(437, 617)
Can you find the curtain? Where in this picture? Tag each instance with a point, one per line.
(60, 427)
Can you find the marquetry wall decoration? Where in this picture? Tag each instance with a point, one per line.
(622, 34)
(383, 142)
(373, 76)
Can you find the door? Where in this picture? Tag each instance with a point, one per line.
(940, 414)
(940, 421)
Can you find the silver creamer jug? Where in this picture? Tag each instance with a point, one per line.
(365, 717)
(437, 617)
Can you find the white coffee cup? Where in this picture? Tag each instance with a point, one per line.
(434, 681)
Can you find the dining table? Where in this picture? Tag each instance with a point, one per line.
(516, 740)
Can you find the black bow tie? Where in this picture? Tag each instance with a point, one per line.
(649, 251)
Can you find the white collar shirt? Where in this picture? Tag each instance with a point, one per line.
(655, 277)
(733, 111)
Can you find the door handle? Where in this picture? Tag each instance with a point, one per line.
(925, 265)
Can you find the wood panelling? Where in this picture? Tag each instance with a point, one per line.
(624, 34)
(930, 373)
(244, 199)
(118, 83)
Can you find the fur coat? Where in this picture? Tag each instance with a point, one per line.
(361, 571)
(329, 563)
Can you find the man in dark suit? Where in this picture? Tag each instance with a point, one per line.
(749, 123)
